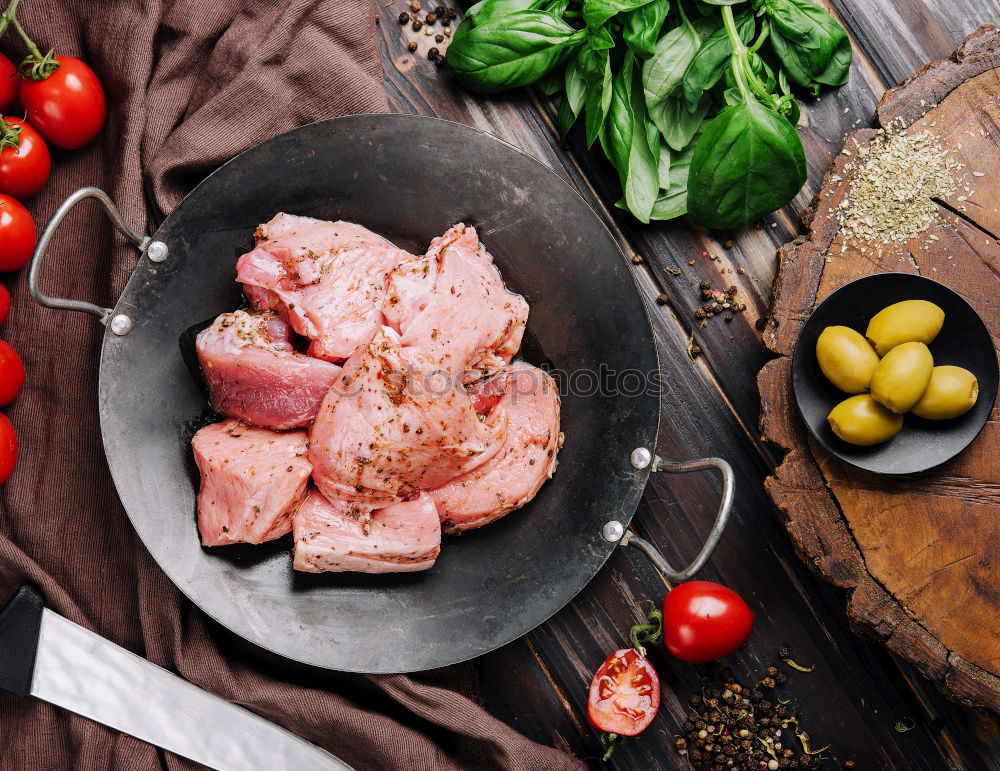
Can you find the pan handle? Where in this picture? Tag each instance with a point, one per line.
(614, 531)
(155, 250)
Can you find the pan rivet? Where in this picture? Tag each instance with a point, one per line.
(613, 531)
(157, 251)
(641, 457)
(121, 324)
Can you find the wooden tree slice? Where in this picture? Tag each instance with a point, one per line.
(918, 554)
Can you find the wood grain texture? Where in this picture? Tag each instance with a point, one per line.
(917, 554)
(710, 407)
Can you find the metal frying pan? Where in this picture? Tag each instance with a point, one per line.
(388, 173)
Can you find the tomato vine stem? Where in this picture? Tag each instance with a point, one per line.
(36, 65)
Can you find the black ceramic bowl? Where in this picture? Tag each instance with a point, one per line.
(963, 341)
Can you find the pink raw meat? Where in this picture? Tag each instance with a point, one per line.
(339, 536)
(252, 480)
(254, 374)
(452, 305)
(527, 459)
(388, 428)
(327, 279)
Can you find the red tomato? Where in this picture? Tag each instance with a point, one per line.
(24, 167)
(8, 83)
(17, 234)
(624, 694)
(68, 107)
(8, 448)
(703, 621)
(11, 374)
(4, 303)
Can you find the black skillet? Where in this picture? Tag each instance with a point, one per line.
(387, 172)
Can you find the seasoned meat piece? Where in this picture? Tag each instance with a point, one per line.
(254, 374)
(391, 426)
(252, 480)
(452, 306)
(340, 536)
(527, 459)
(326, 279)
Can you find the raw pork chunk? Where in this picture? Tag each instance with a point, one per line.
(388, 428)
(254, 374)
(327, 279)
(252, 480)
(339, 536)
(453, 306)
(527, 459)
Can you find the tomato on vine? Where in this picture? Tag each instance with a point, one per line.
(704, 621)
(62, 97)
(24, 159)
(8, 448)
(9, 83)
(4, 303)
(17, 234)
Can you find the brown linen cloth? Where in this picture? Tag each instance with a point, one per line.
(190, 83)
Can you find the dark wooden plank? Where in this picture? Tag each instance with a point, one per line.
(710, 408)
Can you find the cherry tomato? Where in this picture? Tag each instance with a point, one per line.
(17, 234)
(25, 166)
(68, 107)
(8, 83)
(4, 303)
(624, 694)
(8, 448)
(704, 621)
(11, 374)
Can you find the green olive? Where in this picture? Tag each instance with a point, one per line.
(910, 321)
(901, 378)
(951, 392)
(862, 420)
(846, 359)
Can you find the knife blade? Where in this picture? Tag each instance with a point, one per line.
(45, 655)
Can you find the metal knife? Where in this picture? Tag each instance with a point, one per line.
(43, 654)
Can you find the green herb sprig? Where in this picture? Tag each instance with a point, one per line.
(690, 100)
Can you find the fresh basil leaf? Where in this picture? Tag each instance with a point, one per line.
(673, 198)
(732, 96)
(747, 162)
(676, 124)
(641, 27)
(494, 9)
(724, 2)
(573, 99)
(618, 143)
(601, 39)
(710, 61)
(598, 102)
(514, 50)
(663, 72)
(813, 48)
(551, 82)
(663, 166)
(642, 180)
(556, 7)
(597, 12)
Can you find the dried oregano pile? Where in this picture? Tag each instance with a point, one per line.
(897, 178)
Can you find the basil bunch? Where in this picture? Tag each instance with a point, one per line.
(690, 100)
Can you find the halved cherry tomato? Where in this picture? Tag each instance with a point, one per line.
(68, 107)
(704, 621)
(17, 234)
(8, 83)
(24, 160)
(4, 303)
(11, 374)
(624, 694)
(8, 448)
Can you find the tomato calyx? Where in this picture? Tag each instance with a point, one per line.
(610, 742)
(36, 65)
(649, 633)
(10, 135)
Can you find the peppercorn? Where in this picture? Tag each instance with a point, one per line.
(782, 712)
(784, 652)
(439, 60)
(705, 285)
(695, 351)
(440, 10)
(772, 671)
(806, 761)
(781, 679)
(694, 700)
(662, 299)
(715, 717)
(432, 54)
(695, 754)
(680, 743)
(431, 18)
(736, 688)
(787, 753)
(404, 17)
(700, 725)
(848, 765)
(688, 725)
(439, 38)
(417, 24)
(415, 6)
(452, 13)
(411, 46)
(783, 763)
(765, 721)
(729, 244)
(768, 682)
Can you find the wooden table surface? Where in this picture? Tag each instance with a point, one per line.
(858, 692)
